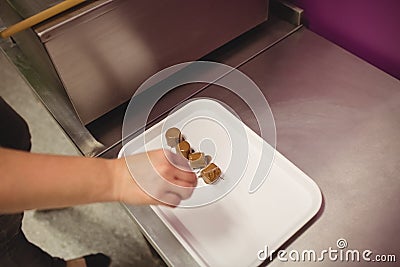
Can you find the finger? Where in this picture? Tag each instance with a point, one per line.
(171, 174)
(178, 161)
(189, 177)
(171, 199)
(183, 183)
(187, 193)
(183, 192)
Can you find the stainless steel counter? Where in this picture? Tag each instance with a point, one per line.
(338, 119)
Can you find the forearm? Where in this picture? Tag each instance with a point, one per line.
(30, 181)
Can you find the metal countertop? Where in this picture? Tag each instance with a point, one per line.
(338, 120)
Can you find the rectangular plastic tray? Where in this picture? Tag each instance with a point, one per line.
(231, 231)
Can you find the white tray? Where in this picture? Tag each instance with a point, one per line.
(230, 231)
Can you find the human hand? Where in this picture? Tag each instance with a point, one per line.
(154, 178)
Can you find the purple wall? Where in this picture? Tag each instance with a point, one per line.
(369, 29)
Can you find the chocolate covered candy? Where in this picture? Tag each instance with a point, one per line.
(197, 160)
(211, 173)
(173, 136)
(183, 148)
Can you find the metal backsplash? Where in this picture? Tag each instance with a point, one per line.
(93, 58)
(105, 54)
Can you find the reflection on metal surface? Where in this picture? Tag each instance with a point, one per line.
(64, 114)
(102, 51)
(112, 49)
(107, 128)
(40, 73)
(155, 231)
(287, 11)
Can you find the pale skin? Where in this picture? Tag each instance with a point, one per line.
(37, 181)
